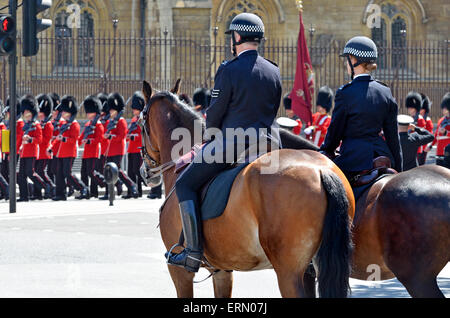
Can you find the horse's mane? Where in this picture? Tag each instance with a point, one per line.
(184, 115)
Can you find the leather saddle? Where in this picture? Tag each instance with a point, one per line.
(381, 166)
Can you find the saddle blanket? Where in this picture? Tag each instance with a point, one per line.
(218, 191)
(359, 191)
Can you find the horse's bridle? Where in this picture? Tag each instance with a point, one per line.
(151, 168)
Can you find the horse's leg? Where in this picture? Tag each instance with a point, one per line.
(309, 282)
(183, 281)
(223, 284)
(290, 283)
(422, 287)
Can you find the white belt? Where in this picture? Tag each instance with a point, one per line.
(442, 137)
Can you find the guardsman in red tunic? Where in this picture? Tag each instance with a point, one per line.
(413, 104)
(134, 143)
(45, 114)
(57, 121)
(424, 111)
(321, 120)
(67, 152)
(31, 133)
(90, 137)
(442, 134)
(19, 124)
(116, 132)
(287, 102)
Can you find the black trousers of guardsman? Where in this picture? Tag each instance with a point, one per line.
(27, 170)
(64, 177)
(88, 170)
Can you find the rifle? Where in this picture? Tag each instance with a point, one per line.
(90, 129)
(113, 123)
(29, 126)
(132, 128)
(66, 126)
(46, 120)
(106, 117)
(56, 121)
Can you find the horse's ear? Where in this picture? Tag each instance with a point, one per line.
(147, 91)
(176, 89)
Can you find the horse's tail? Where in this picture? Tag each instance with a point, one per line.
(333, 257)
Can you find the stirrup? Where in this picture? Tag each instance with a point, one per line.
(169, 253)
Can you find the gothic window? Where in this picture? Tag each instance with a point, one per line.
(379, 37)
(74, 43)
(398, 42)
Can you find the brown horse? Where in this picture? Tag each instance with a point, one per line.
(283, 220)
(402, 229)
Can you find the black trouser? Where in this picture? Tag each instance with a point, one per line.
(27, 170)
(122, 175)
(5, 167)
(134, 164)
(64, 177)
(52, 168)
(40, 165)
(422, 158)
(88, 170)
(3, 187)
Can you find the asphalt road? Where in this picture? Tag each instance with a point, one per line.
(88, 249)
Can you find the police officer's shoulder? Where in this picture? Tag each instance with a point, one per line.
(343, 87)
(272, 62)
(382, 83)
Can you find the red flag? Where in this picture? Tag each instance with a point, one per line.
(303, 89)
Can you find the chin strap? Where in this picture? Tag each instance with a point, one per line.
(352, 66)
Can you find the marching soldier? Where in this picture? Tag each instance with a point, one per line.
(362, 109)
(442, 134)
(67, 152)
(424, 112)
(321, 120)
(91, 137)
(134, 143)
(19, 124)
(45, 103)
(246, 94)
(116, 133)
(31, 134)
(4, 187)
(413, 103)
(57, 121)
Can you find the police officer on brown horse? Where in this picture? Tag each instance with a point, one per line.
(246, 94)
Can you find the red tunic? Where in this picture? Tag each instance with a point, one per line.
(442, 139)
(421, 124)
(92, 149)
(31, 149)
(321, 122)
(47, 134)
(117, 142)
(135, 142)
(56, 143)
(105, 142)
(68, 147)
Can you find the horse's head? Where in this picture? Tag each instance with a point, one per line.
(162, 113)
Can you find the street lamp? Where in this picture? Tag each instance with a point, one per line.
(312, 30)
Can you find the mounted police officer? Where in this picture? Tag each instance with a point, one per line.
(246, 94)
(363, 109)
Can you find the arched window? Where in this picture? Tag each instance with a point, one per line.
(74, 43)
(379, 36)
(398, 42)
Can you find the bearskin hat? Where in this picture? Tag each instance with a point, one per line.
(426, 103)
(45, 104)
(138, 101)
(28, 102)
(56, 100)
(115, 101)
(103, 97)
(413, 100)
(7, 108)
(92, 104)
(287, 102)
(446, 101)
(200, 97)
(186, 99)
(325, 98)
(69, 105)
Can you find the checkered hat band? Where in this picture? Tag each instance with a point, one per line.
(359, 53)
(247, 28)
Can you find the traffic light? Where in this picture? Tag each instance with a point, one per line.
(7, 34)
(32, 25)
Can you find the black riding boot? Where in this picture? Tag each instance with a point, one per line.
(190, 257)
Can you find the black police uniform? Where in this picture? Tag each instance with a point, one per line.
(363, 108)
(410, 142)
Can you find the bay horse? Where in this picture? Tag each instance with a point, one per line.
(401, 229)
(284, 220)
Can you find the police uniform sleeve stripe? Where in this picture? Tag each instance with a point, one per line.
(220, 100)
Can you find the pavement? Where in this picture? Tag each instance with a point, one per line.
(89, 249)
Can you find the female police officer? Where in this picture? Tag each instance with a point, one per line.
(363, 108)
(246, 94)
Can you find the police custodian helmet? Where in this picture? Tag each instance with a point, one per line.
(249, 26)
(363, 49)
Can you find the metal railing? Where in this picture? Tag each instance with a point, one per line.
(119, 61)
